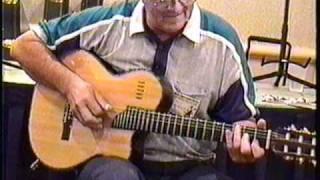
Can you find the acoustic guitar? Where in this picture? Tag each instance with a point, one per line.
(139, 101)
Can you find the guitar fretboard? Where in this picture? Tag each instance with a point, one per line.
(162, 123)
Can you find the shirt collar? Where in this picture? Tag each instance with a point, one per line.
(191, 30)
(136, 20)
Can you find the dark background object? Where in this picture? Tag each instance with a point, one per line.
(90, 3)
(10, 23)
(55, 8)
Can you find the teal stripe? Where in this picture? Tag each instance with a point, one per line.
(56, 28)
(217, 25)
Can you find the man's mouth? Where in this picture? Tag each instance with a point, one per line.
(172, 15)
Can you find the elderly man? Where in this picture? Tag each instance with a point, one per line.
(198, 52)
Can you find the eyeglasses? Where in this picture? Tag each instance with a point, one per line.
(167, 2)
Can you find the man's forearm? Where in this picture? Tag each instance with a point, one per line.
(41, 64)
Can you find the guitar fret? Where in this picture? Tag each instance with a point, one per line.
(174, 125)
(188, 127)
(162, 124)
(124, 118)
(116, 123)
(168, 124)
(147, 121)
(268, 139)
(157, 122)
(181, 126)
(126, 121)
(134, 123)
(313, 152)
(152, 122)
(132, 113)
(255, 133)
(299, 149)
(142, 120)
(204, 130)
(139, 121)
(196, 130)
(285, 147)
(222, 132)
(213, 130)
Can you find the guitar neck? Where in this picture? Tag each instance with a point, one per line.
(156, 122)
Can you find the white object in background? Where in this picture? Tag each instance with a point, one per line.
(299, 72)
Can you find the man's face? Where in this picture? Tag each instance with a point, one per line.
(168, 16)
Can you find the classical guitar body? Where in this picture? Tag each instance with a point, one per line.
(60, 141)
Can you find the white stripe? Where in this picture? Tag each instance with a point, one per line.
(238, 60)
(81, 30)
(36, 28)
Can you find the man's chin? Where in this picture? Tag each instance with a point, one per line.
(173, 28)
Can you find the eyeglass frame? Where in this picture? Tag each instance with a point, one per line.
(166, 2)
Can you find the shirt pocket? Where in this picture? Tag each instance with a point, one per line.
(193, 89)
(187, 98)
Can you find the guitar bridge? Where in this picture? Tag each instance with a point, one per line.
(67, 122)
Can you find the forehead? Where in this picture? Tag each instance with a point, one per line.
(167, 1)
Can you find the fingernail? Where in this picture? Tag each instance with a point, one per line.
(255, 141)
(107, 107)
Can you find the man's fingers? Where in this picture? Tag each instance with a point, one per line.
(262, 124)
(232, 152)
(245, 148)
(89, 119)
(237, 137)
(77, 115)
(229, 139)
(94, 125)
(95, 108)
(103, 104)
(257, 151)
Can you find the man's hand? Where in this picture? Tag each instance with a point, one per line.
(239, 147)
(88, 106)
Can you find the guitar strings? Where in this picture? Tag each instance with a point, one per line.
(258, 136)
(261, 134)
(217, 125)
(194, 121)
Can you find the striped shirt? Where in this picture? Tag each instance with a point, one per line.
(205, 66)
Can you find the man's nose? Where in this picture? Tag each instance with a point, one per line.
(172, 2)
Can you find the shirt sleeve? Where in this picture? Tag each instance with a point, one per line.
(64, 33)
(236, 99)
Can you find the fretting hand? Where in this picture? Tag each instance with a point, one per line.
(239, 147)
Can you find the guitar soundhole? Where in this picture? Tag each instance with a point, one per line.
(67, 122)
(140, 90)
